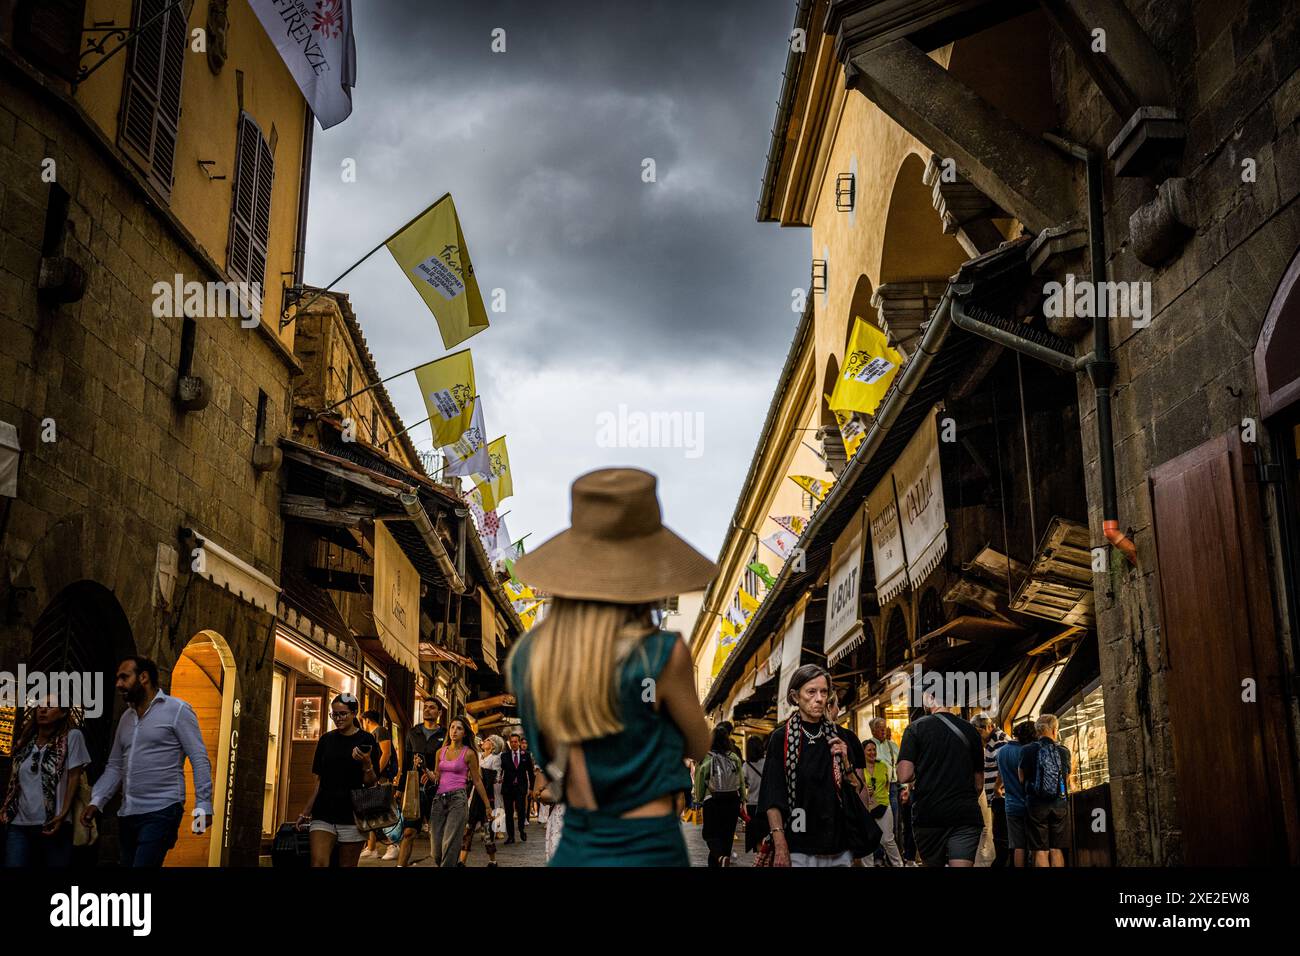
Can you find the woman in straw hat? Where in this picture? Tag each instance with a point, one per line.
(607, 699)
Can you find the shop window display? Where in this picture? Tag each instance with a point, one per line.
(1083, 733)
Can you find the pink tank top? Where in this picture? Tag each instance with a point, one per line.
(453, 774)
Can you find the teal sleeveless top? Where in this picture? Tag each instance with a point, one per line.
(646, 759)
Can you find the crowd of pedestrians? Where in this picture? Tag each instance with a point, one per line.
(607, 700)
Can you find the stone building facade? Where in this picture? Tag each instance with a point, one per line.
(146, 519)
(1148, 152)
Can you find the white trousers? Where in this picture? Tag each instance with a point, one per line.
(887, 841)
(987, 852)
(821, 859)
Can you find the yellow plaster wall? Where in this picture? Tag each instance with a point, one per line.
(208, 127)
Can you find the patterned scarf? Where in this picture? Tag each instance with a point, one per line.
(51, 767)
(794, 746)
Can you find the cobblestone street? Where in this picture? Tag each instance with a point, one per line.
(533, 851)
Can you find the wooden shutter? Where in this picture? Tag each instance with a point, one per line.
(1235, 770)
(250, 208)
(151, 96)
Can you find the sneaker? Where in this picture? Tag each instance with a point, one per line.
(391, 852)
(369, 854)
(492, 864)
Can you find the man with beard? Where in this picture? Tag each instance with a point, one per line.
(147, 762)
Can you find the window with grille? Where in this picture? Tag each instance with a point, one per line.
(250, 208)
(151, 93)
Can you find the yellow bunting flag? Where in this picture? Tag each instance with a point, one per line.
(728, 629)
(869, 367)
(748, 603)
(499, 484)
(431, 251)
(448, 389)
(814, 486)
(852, 430)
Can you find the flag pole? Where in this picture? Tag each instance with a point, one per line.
(388, 378)
(405, 430)
(285, 323)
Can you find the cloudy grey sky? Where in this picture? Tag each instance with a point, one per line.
(662, 297)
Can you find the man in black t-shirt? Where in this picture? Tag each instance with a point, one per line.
(422, 743)
(944, 755)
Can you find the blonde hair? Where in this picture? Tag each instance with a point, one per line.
(573, 665)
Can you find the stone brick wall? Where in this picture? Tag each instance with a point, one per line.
(127, 468)
(1189, 375)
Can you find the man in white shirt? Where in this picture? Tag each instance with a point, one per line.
(147, 761)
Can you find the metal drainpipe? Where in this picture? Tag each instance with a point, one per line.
(411, 504)
(1101, 370)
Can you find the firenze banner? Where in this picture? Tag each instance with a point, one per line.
(314, 38)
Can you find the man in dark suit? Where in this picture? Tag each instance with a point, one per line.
(516, 783)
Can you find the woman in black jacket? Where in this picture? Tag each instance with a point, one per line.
(802, 779)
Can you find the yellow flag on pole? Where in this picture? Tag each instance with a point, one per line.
(728, 629)
(432, 253)
(852, 430)
(869, 367)
(448, 389)
(748, 603)
(499, 484)
(814, 486)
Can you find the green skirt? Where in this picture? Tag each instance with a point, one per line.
(592, 838)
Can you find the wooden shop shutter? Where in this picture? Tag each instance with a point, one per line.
(250, 208)
(1235, 781)
(151, 96)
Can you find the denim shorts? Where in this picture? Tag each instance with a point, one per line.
(345, 832)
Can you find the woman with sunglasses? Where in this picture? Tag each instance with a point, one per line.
(455, 767)
(343, 763)
(48, 760)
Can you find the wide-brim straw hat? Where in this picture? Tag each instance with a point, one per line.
(617, 548)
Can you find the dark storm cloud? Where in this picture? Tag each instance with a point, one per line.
(542, 149)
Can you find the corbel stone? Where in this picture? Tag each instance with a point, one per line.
(1150, 143)
(965, 212)
(1018, 172)
(903, 308)
(1159, 229)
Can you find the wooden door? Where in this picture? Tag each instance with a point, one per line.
(199, 679)
(1235, 769)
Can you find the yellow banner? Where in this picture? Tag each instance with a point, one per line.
(396, 601)
(869, 367)
(432, 253)
(448, 389)
(748, 603)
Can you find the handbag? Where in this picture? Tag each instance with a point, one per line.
(374, 808)
(863, 832)
(82, 834)
(411, 795)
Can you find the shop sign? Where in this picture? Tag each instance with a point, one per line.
(315, 668)
(306, 718)
(843, 618)
(906, 517)
(791, 653)
(374, 678)
(396, 601)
